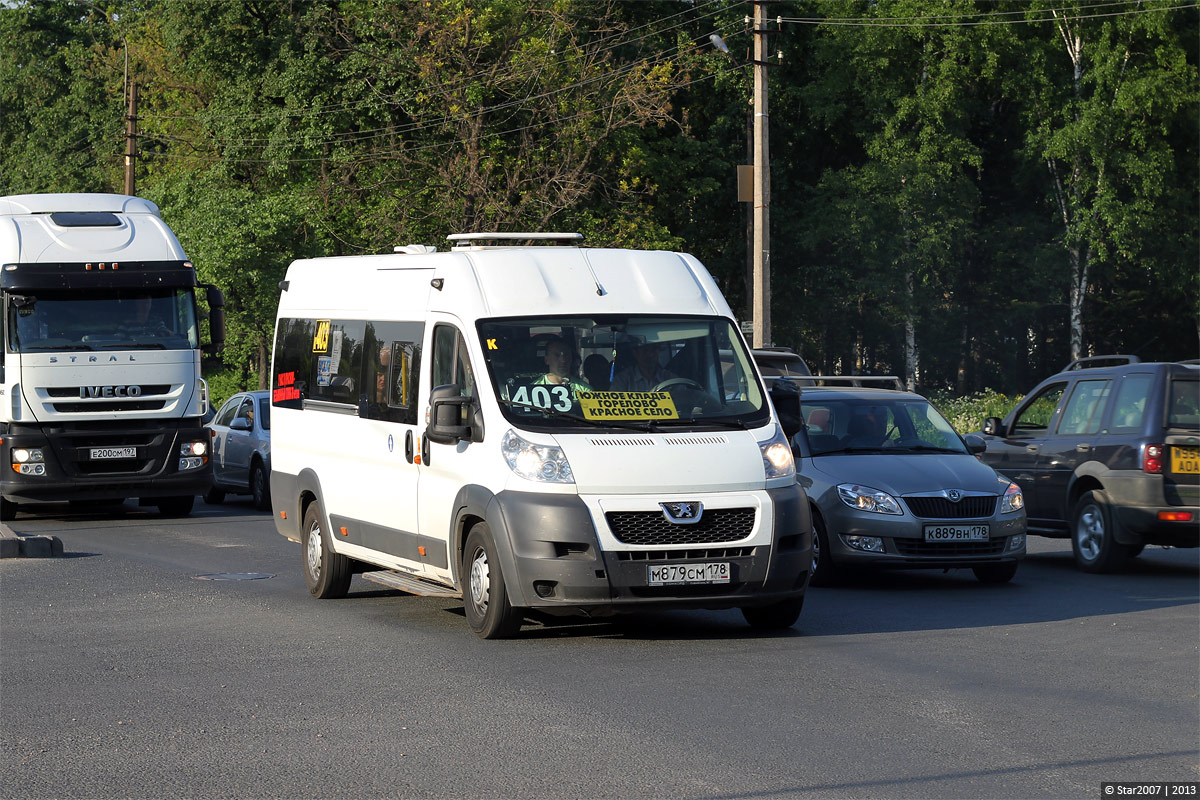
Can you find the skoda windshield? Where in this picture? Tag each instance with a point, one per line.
(117, 319)
(623, 372)
(837, 423)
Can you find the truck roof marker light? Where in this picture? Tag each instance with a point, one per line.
(102, 265)
(115, 265)
(87, 266)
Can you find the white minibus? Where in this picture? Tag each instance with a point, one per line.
(532, 425)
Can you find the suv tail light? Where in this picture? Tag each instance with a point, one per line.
(1152, 458)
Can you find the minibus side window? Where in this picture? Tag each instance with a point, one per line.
(338, 348)
(450, 361)
(293, 362)
(390, 369)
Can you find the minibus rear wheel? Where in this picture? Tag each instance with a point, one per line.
(327, 573)
(485, 595)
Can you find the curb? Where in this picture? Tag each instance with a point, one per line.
(14, 545)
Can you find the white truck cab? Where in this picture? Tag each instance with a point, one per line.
(101, 397)
(532, 427)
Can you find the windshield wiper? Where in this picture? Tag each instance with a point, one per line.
(136, 346)
(928, 448)
(730, 424)
(55, 347)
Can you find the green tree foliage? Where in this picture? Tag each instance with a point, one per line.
(964, 193)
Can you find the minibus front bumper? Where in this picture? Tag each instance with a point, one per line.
(557, 566)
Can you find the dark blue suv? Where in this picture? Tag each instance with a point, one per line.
(1107, 452)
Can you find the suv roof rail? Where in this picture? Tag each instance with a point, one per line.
(1091, 362)
(479, 241)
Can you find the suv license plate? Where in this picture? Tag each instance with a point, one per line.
(680, 574)
(114, 452)
(1185, 460)
(956, 533)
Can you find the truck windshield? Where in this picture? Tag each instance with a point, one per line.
(126, 319)
(633, 373)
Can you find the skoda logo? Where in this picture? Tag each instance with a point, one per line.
(953, 495)
(682, 513)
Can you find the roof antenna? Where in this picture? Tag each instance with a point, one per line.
(599, 289)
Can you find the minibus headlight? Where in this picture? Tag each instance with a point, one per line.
(777, 456)
(536, 462)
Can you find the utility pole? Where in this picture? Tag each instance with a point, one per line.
(761, 302)
(131, 138)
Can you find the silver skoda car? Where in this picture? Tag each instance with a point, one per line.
(894, 486)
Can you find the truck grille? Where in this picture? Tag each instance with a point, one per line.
(652, 528)
(941, 508)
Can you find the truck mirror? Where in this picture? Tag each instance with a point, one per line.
(216, 317)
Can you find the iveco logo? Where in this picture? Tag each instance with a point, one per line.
(87, 392)
(682, 513)
(953, 495)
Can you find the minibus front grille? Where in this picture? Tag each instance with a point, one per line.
(654, 529)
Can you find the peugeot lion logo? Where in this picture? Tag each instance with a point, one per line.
(682, 513)
(953, 495)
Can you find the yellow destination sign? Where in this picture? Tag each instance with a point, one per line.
(627, 405)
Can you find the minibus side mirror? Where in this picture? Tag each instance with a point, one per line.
(452, 417)
(785, 395)
(994, 426)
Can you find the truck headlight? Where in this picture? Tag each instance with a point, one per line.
(777, 456)
(28, 461)
(1013, 499)
(193, 455)
(536, 462)
(864, 498)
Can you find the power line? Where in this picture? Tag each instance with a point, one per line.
(511, 74)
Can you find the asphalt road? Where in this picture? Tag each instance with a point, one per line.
(126, 672)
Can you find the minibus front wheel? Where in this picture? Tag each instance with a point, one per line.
(485, 595)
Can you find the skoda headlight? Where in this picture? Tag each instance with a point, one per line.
(536, 462)
(864, 498)
(1013, 499)
(777, 456)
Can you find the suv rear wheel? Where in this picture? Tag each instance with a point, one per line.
(1092, 536)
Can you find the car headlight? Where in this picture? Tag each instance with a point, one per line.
(777, 456)
(536, 462)
(864, 498)
(1013, 499)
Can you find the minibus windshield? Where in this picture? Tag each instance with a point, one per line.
(624, 372)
